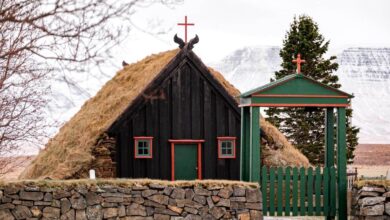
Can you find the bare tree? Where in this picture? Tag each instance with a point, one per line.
(42, 38)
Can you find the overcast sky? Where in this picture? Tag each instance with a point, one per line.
(226, 25)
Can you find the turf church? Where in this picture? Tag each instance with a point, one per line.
(185, 125)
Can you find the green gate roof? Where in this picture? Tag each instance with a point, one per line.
(295, 90)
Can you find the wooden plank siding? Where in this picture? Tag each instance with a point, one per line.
(186, 104)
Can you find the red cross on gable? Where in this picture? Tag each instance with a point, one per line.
(185, 24)
(298, 61)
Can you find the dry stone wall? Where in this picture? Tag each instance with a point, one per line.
(94, 200)
(371, 202)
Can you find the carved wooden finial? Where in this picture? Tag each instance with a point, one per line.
(179, 41)
(192, 42)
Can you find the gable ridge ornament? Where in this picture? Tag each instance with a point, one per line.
(298, 61)
(182, 44)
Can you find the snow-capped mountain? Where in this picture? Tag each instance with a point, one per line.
(365, 72)
(249, 67)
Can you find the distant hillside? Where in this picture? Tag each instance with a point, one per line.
(372, 155)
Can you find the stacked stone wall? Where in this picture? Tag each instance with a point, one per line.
(371, 202)
(94, 200)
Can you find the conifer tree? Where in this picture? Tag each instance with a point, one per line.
(305, 127)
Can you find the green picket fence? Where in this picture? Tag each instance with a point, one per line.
(298, 191)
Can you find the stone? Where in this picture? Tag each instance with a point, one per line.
(204, 211)
(188, 203)
(149, 211)
(254, 206)
(201, 191)
(153, 204)
(223, 202)
(372, 189)
(160, 199)
(366, 193)
(93, 198)
(94, 212)
(50, 212)
(78, 203)
(191, 210)
(148, 192)
(7, 206)
(217, 212)
(5, 214)
(138, 200)
(244, 216)
(11, 190)
(193, 217)
(80, 214)
(34, 196)
(161, 217)
(114, 199)
(156, 186)
(59, 194)
(139, 187)
(114, 194)
(227, 215)
(237, 205)
(189, 194)
(70, 215)
(387, 208)
(238, 199)
(108, 204)
(136, 209)
(28, 203)
(48, 197)
(165, 211)
(6, 199)
(225, 192)
(36, 212)
(215, 198)
(21, 212)
(42, 203)
(210, 202)
(56, 203)
(253, 195)
(167, 190)
(32, 188)
(17, 202)
(65, 205)
(175, 209)
(387, 194)
(200, 199)
(372, 210)
(136, 218)
(110, 212)
(371, 201)
(178, 193)
(121, 211)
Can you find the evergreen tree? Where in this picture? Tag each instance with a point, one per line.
(305, 127)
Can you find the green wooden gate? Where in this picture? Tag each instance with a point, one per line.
(298, 191)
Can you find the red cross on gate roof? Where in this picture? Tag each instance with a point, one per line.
(298, 61)
(185, 24)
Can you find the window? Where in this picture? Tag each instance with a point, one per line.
(143, 147)
(226, 147)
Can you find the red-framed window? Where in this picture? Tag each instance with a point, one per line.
(226, 147)
(143, 147)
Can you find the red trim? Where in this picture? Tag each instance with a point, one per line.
(293, 105)
(185, 141)
(199, 160)
(181, 141)
(298, 96)
(220, 139)
(148, 138)
(172, 161)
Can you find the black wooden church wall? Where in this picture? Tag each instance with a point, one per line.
(188, 106)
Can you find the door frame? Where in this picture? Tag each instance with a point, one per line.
(186, 141)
